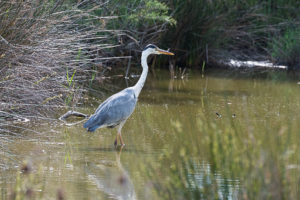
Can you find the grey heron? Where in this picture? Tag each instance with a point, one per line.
(115, 110)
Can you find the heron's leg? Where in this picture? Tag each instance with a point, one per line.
(121, 140)
(119, 133)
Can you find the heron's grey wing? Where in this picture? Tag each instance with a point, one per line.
(114, 110)
(105, 102)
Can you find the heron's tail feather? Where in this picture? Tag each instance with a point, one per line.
(89, 122)
(92, 123)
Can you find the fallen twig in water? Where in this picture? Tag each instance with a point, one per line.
(72, 113)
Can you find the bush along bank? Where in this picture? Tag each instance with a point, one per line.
(211, 31)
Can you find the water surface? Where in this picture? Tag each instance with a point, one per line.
(221, 135)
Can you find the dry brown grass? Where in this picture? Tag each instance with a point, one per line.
(41, 46)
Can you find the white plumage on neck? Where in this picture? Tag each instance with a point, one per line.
(139, 85)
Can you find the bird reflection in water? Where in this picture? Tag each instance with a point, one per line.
(112, 179)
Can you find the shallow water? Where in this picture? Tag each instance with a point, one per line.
(177, 147)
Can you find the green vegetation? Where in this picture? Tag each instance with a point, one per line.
(244, 30)
(138, 22)
(138, 14)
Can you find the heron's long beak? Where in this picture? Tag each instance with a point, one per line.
(160, 51)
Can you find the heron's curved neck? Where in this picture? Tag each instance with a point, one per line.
(139, 85)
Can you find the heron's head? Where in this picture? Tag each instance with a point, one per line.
(152, 49)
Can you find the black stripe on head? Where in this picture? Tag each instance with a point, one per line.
(150, 46)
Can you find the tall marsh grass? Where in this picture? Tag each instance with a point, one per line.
(40, 42)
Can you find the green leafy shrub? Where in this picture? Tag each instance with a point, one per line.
(140, 21)
(151, 13)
